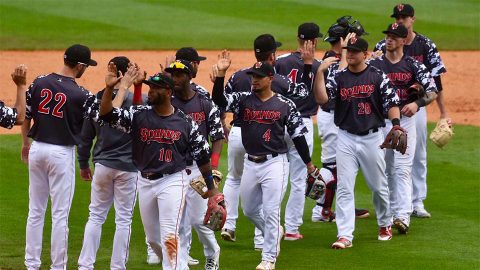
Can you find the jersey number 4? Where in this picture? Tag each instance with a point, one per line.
(60, 98)
(293, 75)
(266, 135)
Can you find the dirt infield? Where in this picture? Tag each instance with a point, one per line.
(462, 97)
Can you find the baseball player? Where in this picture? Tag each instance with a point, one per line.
(57, 104)
(403, 71)
(423, 50)
(363, 97)
(16, 115)
(114, 182)
(338, 35)
(162, 138)
(292, 66)
(264, 116)
(265, 47)
(207, 116)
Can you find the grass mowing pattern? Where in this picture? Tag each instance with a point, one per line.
(449, 240)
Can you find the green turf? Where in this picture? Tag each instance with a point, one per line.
(449, 240)
(208, 24)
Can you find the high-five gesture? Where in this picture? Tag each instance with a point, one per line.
(111, 78)
(19, 75)
(344, 41)
(326, 63)
(307, 52)
(223, 63)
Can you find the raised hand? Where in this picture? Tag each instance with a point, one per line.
(111, 78)
(326, 63)
(214, 73)
(142, 75)
(307, 52)
(19, 75)
(344, 41)
(129, 77)
(224, 61)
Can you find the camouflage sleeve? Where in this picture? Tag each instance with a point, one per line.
(233, 101)
(423, 77)
(28, 99)
(295, 125)
(201, 90)
(91, 108)
(230, 83)
(331, 85)
(296, 90)
(380, 46)
(434, 62)
(8, 116)
(214, 124)
(389, 95)
(199, 148)
(121, 118)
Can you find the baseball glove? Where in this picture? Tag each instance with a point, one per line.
(315, 187)
(414, 92)
(216, 213)
(442, 133)
(199, 185)
(396, 139)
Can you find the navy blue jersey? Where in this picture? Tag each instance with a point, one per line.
(8, 116)
(330, 105)
(240, 81)
(56, 105)
(403, 74)
(424, 51)
(160, 144)
(199, 89)
(362, 99)
(291, 65)
(263, 123)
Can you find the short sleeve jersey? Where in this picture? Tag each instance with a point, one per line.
(160, 144)
(56, 105)
(8, 116)
(362, 99)
(291, 65)
(403, 74)
(263, 123)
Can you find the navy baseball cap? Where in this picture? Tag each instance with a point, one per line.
(262, 69)
(180, 65)
(121, 62)
(308, 31)
(403, 9)
(79, 54)
(357, 44)
(161, 80)
(189, 54)
(396, 29)
(265, 43)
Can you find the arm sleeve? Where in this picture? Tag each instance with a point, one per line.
(302, 148)
(423, 77)
(214, 124)
(331, 85)
(28, 99)
(294, 123)
(86, 141)
(8, 116)
(389, 95)
(380, 46)
(199, 148)
(434, 62)
(218, 94)
(121, 118)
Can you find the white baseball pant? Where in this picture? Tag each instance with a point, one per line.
(161, 203)
(262, 189)
(109, 186)
(51, 173)
(354, 152)
(231, 189)
(193, 215)
(399, 169)
(419, 169)
(298, 176)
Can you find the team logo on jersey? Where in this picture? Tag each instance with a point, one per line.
(400, 7)
(394, 26)
(353, 40)
(261, 116)
(159, 135)
(419, 58)
(357, 91)
(399, 78)
(198, 117)
(258, 64)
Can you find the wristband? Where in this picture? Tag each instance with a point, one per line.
(396, 122)
(137, 95)
(214, 159)
(209, 181)
(420, 102)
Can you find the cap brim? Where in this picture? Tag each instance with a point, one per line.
(92, 62)
(392, 33)
(159, 84)
(395, 15)
(201, 58)
(331, 39)
(353, 48)
(256, 72)
(278, 44)
(170, 70)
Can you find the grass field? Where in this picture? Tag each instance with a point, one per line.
(449, 240)
(207, 24)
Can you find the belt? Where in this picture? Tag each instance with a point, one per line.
(152, 176)
(189, 162)
(370, 131)
(261, 159)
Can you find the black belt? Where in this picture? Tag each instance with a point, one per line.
(260, 159)
(152, 176)
(373, 130)
(189, 162)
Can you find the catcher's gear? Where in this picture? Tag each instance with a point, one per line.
(396, 139)
(315, 187)
(216, 213)
(199, 185)
(414, 92)
(442, 133)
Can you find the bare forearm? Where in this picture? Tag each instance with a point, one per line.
(441, 104)
(394, 113)
(106, 105)
(25, 130)
(319, 90)
(20, 104)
